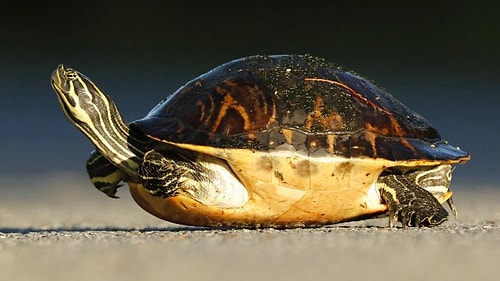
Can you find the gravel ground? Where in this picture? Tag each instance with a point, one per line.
(59, 228)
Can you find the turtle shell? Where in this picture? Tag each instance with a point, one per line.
(263, 102)
(304, 139)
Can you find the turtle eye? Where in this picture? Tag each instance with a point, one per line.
(71, 75)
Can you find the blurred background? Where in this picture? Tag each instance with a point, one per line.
(440, 59)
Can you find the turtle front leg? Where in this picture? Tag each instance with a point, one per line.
(165, 174)
(105, 176)
(205, 179)
(408, 203)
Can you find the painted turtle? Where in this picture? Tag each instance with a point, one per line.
(268, 141)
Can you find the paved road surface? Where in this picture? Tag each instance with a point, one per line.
(62, 229)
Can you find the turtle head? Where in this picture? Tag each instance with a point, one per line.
(81, 101)
(95, 115)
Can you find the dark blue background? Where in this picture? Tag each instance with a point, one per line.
(438, 58)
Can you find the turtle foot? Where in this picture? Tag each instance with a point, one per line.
(418, 216)
(409, 204)
(105, 176)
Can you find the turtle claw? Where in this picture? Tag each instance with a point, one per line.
(108, 189)
(452, 207)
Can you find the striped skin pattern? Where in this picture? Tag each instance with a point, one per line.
(417, 206)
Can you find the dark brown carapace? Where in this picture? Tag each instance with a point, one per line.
(262, 102)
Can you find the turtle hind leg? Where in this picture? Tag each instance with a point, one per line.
(408, 203)
(105, 176)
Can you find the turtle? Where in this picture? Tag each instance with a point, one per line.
(276, 141)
